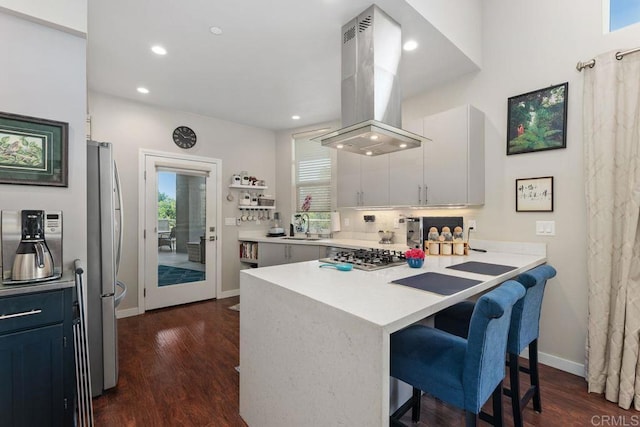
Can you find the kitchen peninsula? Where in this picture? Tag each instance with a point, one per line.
(314, 342)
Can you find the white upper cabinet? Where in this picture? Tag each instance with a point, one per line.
(348, 175)
(447, 170)
(362, 180)
(406, 172)
(374, 180)
(445, 157)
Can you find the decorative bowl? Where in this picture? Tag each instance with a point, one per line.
(415, 262)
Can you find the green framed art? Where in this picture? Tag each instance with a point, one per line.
(537, 120)
(33, 151)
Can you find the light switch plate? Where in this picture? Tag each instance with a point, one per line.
(545, 228)
(229, 221)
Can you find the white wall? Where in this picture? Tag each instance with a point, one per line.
(44, 75)
(527, 46)
(458, 20)
(134, 126)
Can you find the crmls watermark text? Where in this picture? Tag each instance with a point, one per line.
(615, 420)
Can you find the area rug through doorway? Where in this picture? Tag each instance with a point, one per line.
(168, 275)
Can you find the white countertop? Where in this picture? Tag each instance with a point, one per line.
(370, 295)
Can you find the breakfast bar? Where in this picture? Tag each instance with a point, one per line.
(314, 342)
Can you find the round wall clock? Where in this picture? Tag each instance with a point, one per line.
(184, 137)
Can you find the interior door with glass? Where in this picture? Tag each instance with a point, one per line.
(180, 231)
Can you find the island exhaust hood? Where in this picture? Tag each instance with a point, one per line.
(371, 98)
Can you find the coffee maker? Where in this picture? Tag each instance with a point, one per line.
(414, 232)
(31, 248)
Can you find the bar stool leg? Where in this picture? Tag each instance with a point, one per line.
(514, 378)
(415, 407)
(533, 373)
(471, 419)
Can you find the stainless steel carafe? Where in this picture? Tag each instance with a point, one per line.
(33, 259)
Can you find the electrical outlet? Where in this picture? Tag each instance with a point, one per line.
(346, 222)
(396, 223)
(472, 224)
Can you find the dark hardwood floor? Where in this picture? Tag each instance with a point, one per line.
(177, 369)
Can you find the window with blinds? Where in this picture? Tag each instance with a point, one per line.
(313, 176)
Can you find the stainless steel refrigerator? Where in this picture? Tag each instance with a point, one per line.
(104, 243)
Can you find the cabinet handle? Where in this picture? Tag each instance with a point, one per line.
(24, 313)
(419, 194)
(358, 198)
(426, 198)
(362, 198)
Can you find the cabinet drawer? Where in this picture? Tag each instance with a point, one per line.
(28, 311)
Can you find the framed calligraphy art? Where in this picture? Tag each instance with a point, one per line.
(534, 194)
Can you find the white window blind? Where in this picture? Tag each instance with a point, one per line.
(313, 175)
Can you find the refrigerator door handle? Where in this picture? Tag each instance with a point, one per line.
(122, 294)
(120, 211)
(107, 220)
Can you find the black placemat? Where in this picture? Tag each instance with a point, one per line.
(482, 268)
(442, 284)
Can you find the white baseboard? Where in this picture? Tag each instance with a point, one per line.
(229, 294)
(134, 311)
(127, 312)
(557, 362)
(562, 364)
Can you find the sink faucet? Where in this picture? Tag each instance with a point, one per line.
(306, 218)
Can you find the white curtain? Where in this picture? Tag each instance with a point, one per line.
(612, 172)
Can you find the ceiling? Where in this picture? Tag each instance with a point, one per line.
(274, 58)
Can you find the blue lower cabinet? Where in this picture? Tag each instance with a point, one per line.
(36, 361)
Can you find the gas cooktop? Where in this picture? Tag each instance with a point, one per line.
(368, 259)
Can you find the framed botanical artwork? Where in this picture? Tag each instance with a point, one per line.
(537, 120)
(33, 151)
(534, 194)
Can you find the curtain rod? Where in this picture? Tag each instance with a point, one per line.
(592, 62)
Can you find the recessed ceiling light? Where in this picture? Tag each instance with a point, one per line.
(339, 146)
(295, 117)
(143, 90)
(403, 145)
(216, 30)
(410, 45)
(158, 50)
(373, 137)
(369, 153)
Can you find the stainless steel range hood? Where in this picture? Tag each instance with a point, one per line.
(371, 99)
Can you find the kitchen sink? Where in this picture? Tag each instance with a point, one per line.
(301, 238)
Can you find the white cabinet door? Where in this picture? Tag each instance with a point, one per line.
(299, 253)
(405, 172)
(445, 157)
(454, 159)
(374, 180)
(348, 175)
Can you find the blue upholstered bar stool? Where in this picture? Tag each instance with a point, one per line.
(523, 332)
(462, 372)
